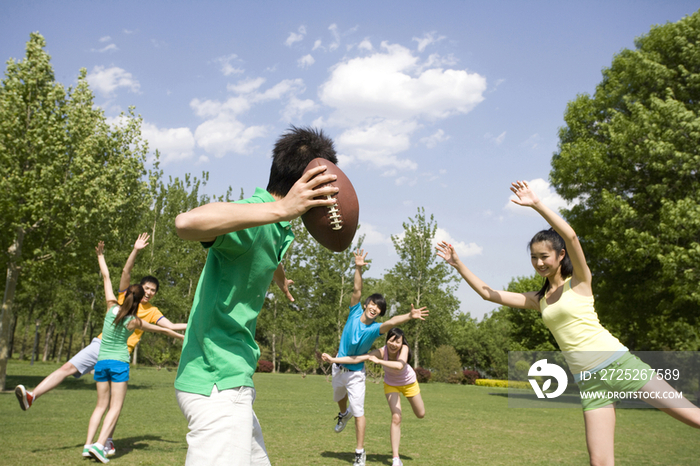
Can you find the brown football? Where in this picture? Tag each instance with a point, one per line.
(334, 226)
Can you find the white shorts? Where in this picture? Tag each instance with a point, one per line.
(352, 384)
(86, 358)
(223, 428)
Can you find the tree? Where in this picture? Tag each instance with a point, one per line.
(630, 155)
(527, 331)
(419, 279)
(66, 177)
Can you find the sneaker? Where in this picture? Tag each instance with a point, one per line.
(24, 397)
(342, 421)
(98, 453)
(397, 462)
(86, 451)
(360, 459)
(109, 448)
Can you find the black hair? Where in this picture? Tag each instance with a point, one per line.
(150, 279)
(557, 243)
(379, 300)
(292, 153)
(397, 332)
(130, 305)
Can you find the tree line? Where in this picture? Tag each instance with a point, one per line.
(628, 156)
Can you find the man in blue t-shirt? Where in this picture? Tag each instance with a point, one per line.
(359, 333)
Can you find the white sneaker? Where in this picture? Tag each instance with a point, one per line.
(109, 448)
(397, 462)
(342, 421)
(360, 459)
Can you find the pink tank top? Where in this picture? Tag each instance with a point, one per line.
(398, 378)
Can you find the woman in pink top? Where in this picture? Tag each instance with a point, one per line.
(399, 377)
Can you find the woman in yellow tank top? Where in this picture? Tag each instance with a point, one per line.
(566, 304)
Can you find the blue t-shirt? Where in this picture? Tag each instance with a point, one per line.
(357, 337)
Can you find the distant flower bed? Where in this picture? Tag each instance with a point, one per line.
(501, 383)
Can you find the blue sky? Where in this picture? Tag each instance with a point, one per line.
(431, 104)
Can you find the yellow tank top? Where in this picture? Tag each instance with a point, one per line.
(575, 325)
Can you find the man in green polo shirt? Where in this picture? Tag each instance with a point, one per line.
(246, 240)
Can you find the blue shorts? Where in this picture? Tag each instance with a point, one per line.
(110, 370)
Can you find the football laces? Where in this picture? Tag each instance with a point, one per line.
(334, 217)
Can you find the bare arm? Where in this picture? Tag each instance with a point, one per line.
(349, 359)
(125, 280)
(109, 292)
(505, 298)
(165, 323)
(206, 222)
(146, 327)
(527, 198)
(280, 278)
(399, 364)
(395, 321)
(360, 256)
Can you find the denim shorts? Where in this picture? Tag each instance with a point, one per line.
(626, 374)
(110, 370)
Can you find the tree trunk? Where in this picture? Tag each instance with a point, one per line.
(14, 253)
(47, 340)
(70, 347)
(274, 336)
(87, 322)
(36, 340)
(63, 339)
(134, 359)
(12, 336)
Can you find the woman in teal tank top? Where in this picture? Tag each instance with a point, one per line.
(112, 368)
(566, 304)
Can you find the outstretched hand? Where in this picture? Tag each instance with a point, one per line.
(326, 357)
(447, 252)
(420, 313)
(303, 194)
(360, 256)
(525, 196)
(100, 248)
(284, 286)
(142, 241)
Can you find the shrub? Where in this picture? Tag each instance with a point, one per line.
(470, 377)
(422, 375)
(446, 365)
(264, 366)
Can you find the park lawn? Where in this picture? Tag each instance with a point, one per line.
(463, 425)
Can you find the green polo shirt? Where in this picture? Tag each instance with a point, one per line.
(219, 346)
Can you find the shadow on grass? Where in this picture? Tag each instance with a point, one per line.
(86, 382)
(371, 458)
(122, 445)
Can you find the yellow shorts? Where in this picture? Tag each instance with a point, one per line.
(409, 391)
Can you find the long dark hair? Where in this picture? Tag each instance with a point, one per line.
(130, 305)
(557, 243)
(397, 332)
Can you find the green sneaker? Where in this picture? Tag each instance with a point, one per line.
(86, 451)
(98, 453)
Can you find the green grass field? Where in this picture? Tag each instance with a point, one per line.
(463, 425)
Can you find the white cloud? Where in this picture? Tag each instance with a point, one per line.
(372, 235)
(547, 195)
(336, 37)
(128, 31)
(225, 134)
(296, 108)
(427, 39)
(377, 143)
(532, 142)
(317, 45)
(463, 249)
(107, 80)
(105, 39)
(385, 85)
(226, 67)
(246, 86)
(434, 139)
(108, 48)
(202, 160)
(306, 61)
(211, 108)
(498, 140)
(365, 45)
(294, 37)
(173, 143)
